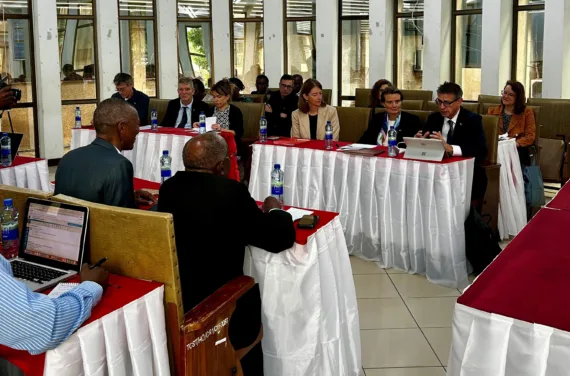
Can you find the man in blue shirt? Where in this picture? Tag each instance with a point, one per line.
(125, 90)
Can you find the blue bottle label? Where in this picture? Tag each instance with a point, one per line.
(277, 189)
(10, 234)
(165, 173)
(263, 130)
(5, 151)
(392, 143)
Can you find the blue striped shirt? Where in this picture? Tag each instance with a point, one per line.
(36, 322)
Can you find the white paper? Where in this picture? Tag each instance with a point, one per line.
(503, 137)
(209, 122)
(61, 289)
(357, 147)
(298, 213)
(145, 127)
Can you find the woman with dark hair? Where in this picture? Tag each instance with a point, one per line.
(310, 120)
(375, 100)
(238, 88)
(516, 119)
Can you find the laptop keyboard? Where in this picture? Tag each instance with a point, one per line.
(34, 273)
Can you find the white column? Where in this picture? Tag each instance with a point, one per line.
(437, 43)
(556, 50)
(496, 42)
(167, 54)
(48, 86)
(327, 46)
(381, 40)
(273, 45)
(108, 54)
(221, 36)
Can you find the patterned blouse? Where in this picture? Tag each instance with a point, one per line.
(506, 121)
(223, 117)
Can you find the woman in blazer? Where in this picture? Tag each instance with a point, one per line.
(407, 125)
(310, 120)
(516, 119)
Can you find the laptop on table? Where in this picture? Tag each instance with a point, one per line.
(424, 149)
(52, 243)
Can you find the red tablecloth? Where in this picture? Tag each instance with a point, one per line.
(20, 160)
(121, 291)
(562, 199)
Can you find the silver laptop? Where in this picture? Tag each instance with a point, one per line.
(424, 149)
(52, 243)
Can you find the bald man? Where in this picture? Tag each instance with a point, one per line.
(215, 218)
(99, 172)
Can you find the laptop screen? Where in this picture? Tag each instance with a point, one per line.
(53, 232)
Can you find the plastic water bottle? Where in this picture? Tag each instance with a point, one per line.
(277, 176)
(328, 136)
(5, 150)
(263, 129)
(165, 165)
(202, 123)
(154, 120)
(392, 142)
(77, 117)
(10, 238)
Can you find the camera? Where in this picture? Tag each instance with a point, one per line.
(17, 93)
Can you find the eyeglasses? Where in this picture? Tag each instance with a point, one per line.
(445, 103)
(289, 87)
(512, 95)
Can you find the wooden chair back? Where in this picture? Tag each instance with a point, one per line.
(362, 97)
(353, 122)
(412, 104)
(251, 115)
(160, 105)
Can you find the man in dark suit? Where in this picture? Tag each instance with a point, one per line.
(99, 172)
(185, 109)
(461, 132)
(279, 106)
(227, 219)
(126, 91)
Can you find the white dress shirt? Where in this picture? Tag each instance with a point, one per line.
(188, 109)
(445, 130)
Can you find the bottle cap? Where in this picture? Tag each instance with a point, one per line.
(263, 118)
(277, 166)
(201, 112)
(8, 202)
(165, 152)
(4, 134)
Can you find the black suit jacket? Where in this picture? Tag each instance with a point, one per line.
(96, 173)
(409, 126)
(173, 110)
(236, 125)
(215, 218)
(140, 101)
(276, 125)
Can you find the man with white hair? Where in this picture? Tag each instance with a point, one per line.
(184, 109)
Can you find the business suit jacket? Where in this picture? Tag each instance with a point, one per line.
(522, 126)
(140, 101)
(236, 125)
(301, 127)
(173, 109)
(277, 125)
(409, 126)
(215, 218)
(96, 173)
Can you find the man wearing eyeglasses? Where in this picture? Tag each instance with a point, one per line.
(278, 108)
(125, 90)
(460, 131)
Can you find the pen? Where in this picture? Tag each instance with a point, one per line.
(98, 263)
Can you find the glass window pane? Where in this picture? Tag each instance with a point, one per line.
(247, 8)
(530, 37)
(301, 49)
(15, 56)
(355, 51)
(248, 52)
(74, 7)
(348, 103)
(77, 59)
(409, 6)
(194, 9)
(23, 122)
(301, 8)
(136, 8)
(195, 50)
(469, 4)
(410, 53)
(68, 120)
(14, 6)
(468, 55)
(531, 2)
(355, 7)
(137, 54)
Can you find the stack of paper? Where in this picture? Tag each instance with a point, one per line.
(298, 213)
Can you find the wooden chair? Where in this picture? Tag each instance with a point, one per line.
(494, 99)
(353, 122)
(251, 115)
(160, 105)
(423, 115)
(362, 97)
(255, 98)
(492, 169)
(327, 96)
(412, 104)
(423, 95)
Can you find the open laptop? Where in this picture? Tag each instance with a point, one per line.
(424, 149)
(52, 243)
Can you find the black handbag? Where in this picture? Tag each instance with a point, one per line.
(481, 243)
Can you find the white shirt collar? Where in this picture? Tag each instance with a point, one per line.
(454, 119)
(187, 105)
(118, 151)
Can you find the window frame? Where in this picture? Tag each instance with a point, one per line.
(397, 16)
(515, 30)
(286, 20)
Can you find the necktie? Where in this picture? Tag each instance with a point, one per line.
(184, 117)
(450, 133)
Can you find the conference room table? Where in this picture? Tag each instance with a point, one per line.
(27, 172)
(401, 213)
(309, 309)
(125, 335)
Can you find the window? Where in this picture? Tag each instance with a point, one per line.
(466, 29)
(528, 36)
(409, 43)
(300, 57)
(354, 30)
(77, 57)
(247, 41)
(195, 39)
(17, 61)
(137, 28)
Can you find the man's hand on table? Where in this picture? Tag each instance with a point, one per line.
(97, 275)
(271, 203)
(144, 198)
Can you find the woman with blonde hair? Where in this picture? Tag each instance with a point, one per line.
(310, 120)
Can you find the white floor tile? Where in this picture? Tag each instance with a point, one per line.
(415, 371)
(384, 314)
(396, 348)
(374, 286)
(440, 340)
(417, 286)
(432, 312)
(360, 266)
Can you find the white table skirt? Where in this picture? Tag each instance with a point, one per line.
(146, 154)
(310, 315)
(404, 214)
(33, 175)
(128, 341)
(512, 206)
(485, 344)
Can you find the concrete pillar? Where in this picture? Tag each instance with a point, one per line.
(556, 51)
(273, 42)
(221, 36)
(166, 20)
(108, 54)
(381, 40)
(437, 43)
(327, 46)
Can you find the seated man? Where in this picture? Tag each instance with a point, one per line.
(185, 109)
(99, 172)
(225, 219)
(461, 132)
(125, 90)
(70, 74)
(297, 84)
(261, 84)
(279, 107)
